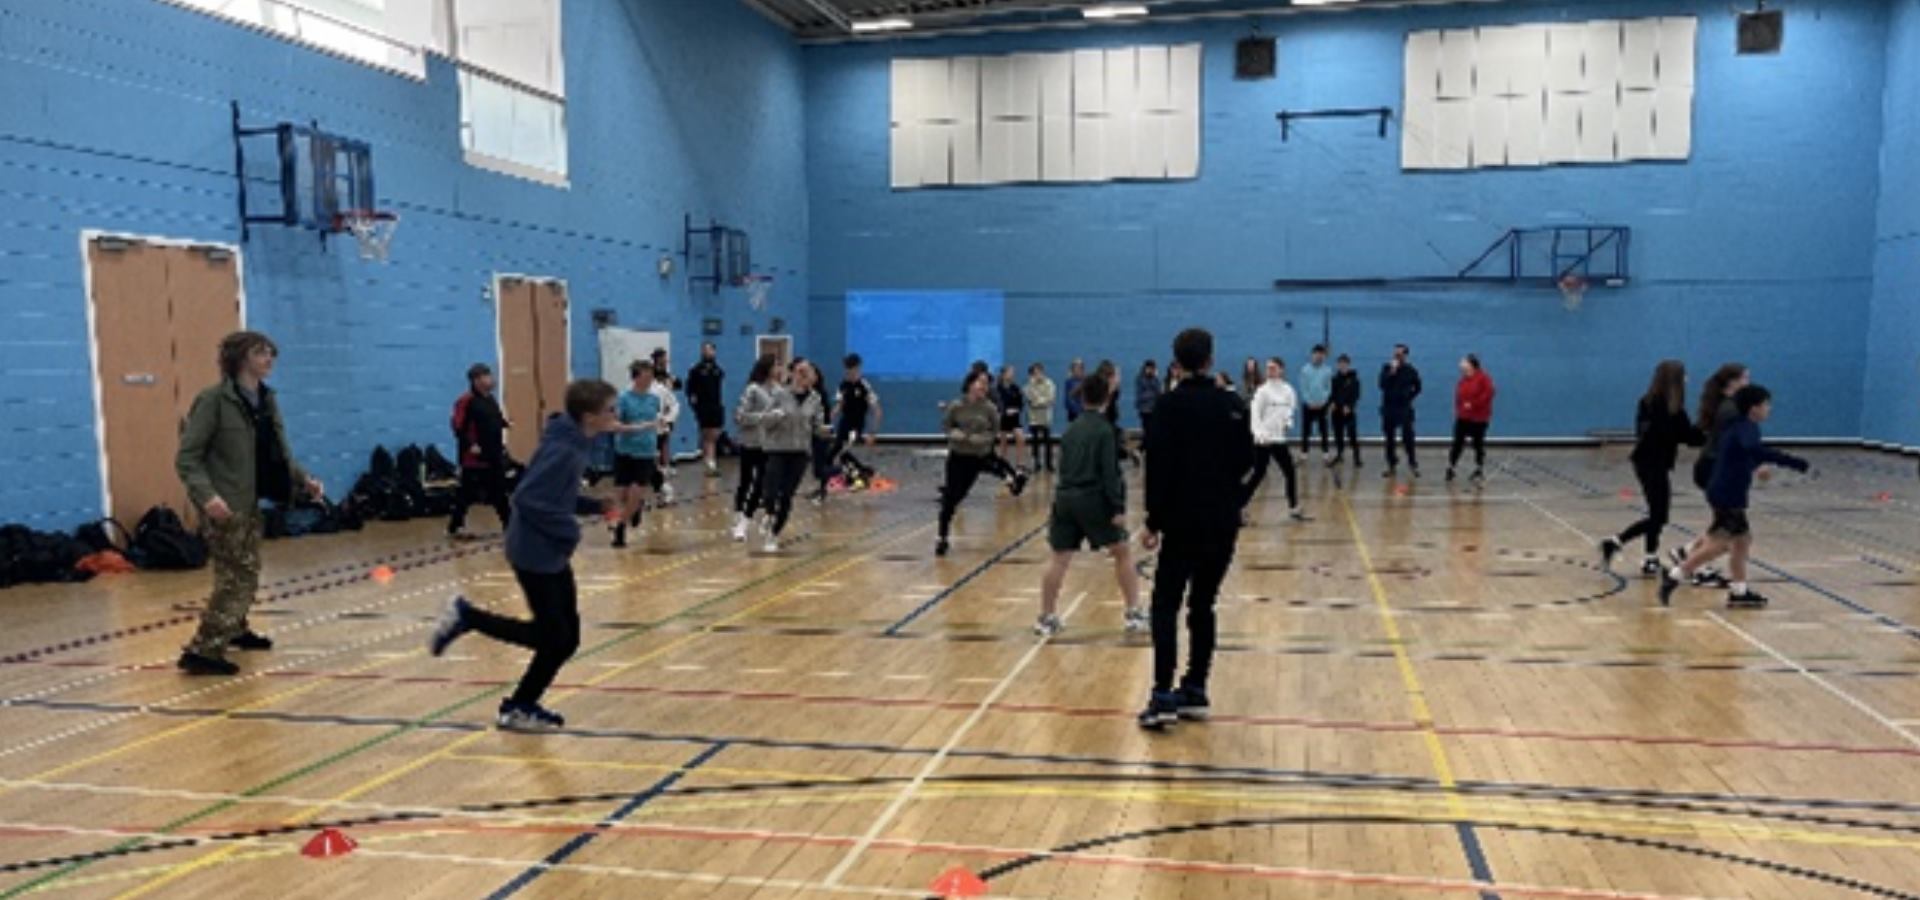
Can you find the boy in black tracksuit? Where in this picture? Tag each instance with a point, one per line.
(1399, 387)
(857, 400)
(1742, 453)
(1199, 455)
(1346, 416)
(479, 434)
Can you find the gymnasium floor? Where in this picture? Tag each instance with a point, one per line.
(1428, 694)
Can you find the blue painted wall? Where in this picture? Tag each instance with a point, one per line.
(1760, 248)
(114, 116)
(1892, 404)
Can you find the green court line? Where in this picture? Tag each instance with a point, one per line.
(442, 712)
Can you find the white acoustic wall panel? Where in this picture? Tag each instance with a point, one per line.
(1588, 92)
(1088, 115)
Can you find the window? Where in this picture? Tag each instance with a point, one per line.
(513, 108)
(382, 33)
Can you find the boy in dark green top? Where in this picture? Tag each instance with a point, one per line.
(233, 454)
(1089, 507)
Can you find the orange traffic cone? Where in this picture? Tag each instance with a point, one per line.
(328, 843)
(959, 882)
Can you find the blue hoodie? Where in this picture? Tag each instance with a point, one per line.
(544, 531)
(1316, 384)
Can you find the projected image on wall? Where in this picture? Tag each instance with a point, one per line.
(923, 335)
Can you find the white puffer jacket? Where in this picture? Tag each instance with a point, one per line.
(1273, 407)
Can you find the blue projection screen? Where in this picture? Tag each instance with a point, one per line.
(923, 335)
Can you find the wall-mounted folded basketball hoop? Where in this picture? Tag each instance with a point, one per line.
(300, 176)
(1289, 116)
(1572, 258)
(716, 255)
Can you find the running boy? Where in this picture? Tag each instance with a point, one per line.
(1741, 453)
(636, 448)
(857, 400)
(540, 544)
(1089, 507)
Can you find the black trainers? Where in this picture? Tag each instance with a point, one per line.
(1609, 548)
(1019, 483)
(620, 535)
(1415, 470)
(1192, 703)
(1478, 477)
(1710, 578)
(251, 640)
(528, 717)
(940, 547)
(1449, 473)
(195, 664)
(1163, 709)
(453, 623)
(1748, 600)
(1668, 584)
(1387, 472)
(1650, 567)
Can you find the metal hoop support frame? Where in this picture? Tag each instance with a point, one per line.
(372, 229)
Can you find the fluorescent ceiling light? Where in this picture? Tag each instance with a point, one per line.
(1114, 11)
(871, 25)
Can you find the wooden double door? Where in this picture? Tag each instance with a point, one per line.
(534, 356)
(159, 311)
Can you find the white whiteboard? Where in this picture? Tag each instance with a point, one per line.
(619, 347)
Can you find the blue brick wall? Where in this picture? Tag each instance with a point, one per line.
(1892, 404)
(1760, 248)
(114, 116)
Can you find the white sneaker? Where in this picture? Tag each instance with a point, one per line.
(771, 546)
(1137, 621)
(739, 527)
(1048, 626)
(666, 491)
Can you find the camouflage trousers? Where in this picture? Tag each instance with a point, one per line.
(234, 548)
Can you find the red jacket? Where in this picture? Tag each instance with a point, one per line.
(1473, 398)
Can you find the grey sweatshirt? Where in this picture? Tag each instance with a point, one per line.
(970, 427)
(751, 413)
(795, 419)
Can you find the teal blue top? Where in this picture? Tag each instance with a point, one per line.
(638, 409)
(1316, 384)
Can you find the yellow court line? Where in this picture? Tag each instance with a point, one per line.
(189, 867)
(178, 730)
(1416, 694)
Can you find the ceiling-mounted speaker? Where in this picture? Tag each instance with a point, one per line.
(1762, 31)
(1255, 58)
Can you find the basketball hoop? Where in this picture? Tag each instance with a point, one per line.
(1573, 289)
(372, 229)
(758, 288)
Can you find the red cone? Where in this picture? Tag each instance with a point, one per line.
(959, 882)
(329, 842)
(1626, 493)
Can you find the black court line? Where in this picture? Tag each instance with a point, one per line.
(954, 588)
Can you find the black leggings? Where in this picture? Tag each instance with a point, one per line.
(553, 634)
(753, 480)
(1042, 437)
(488, 485)
(785, 470)
(1464, 431)
(1657, 485)
(962, 472)
(1346, 433)
(1402, 423)
(1308, 419)
(1282, 457)
(1188, 572)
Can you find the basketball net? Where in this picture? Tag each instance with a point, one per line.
(1573, 290)
(372, 230)
(759, 287)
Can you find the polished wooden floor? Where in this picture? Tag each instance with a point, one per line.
(1424, 691)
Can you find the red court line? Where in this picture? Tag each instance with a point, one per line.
(976, 851)
(1094, 712)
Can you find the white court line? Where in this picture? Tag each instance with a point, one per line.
(1855, 702)
(763, 671)
(832, 674)
(681, 667)
(1904, 733)
(904, 677)
(900, 802)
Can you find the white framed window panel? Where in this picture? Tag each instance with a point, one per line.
(1607, 91)
(1129, 113)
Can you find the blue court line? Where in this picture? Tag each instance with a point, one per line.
(1877, 616)
(583, 839)
(1476, 857)
(954, 588)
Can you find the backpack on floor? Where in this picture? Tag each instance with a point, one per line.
(439, 468)
(162, 541)
(380, 463)
(105, 534)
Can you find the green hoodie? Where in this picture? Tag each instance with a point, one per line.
(218, 447)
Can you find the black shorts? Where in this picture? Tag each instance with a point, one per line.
(1082, 519)
(1729, 523)
(1009, 423)
(635, 470)
(710, 416)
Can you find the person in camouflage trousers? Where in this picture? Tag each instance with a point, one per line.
(233, 454)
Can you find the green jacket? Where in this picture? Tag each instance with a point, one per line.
(217, 447)
(1090, 464)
